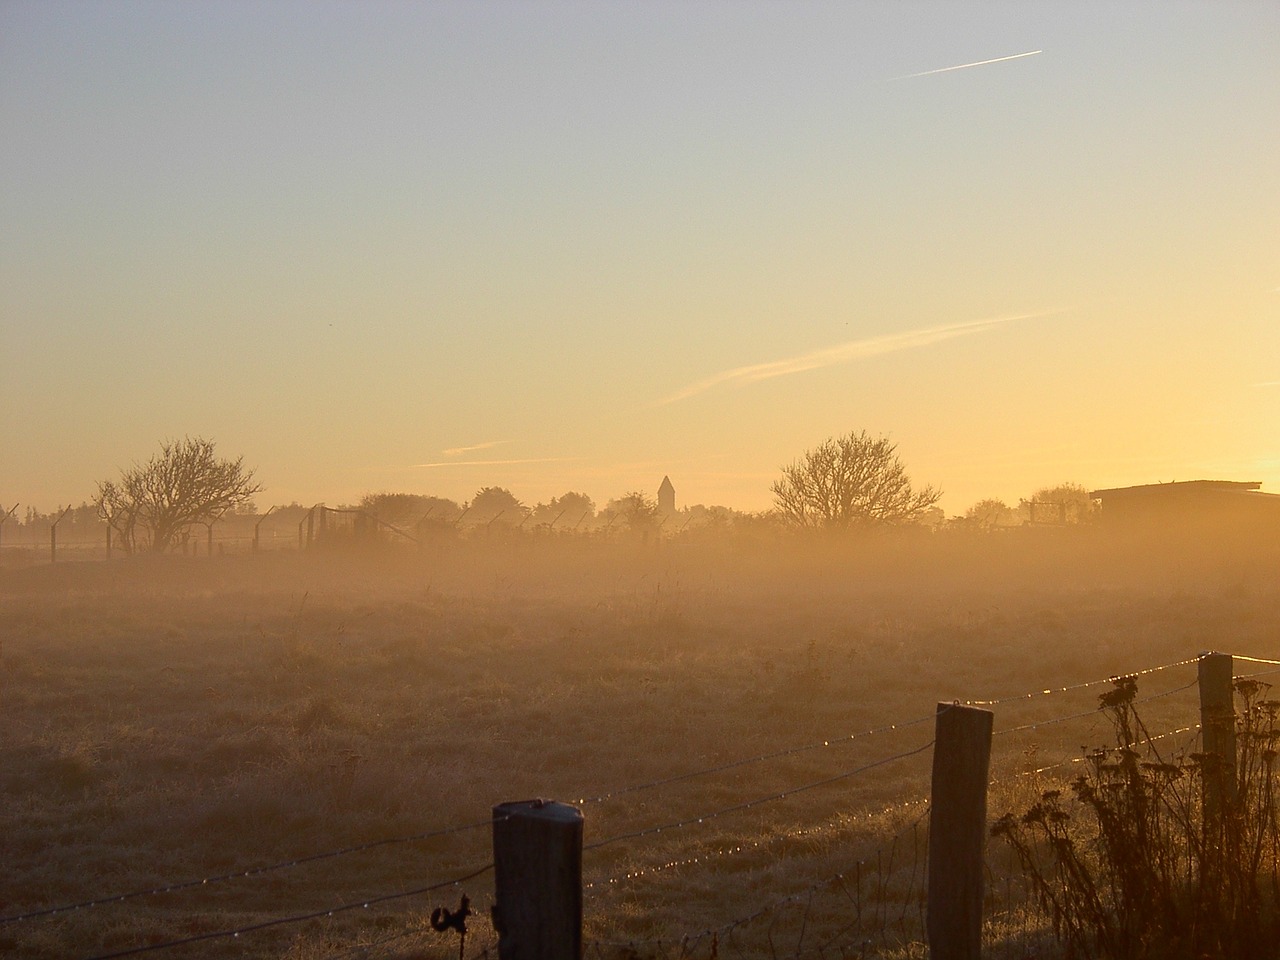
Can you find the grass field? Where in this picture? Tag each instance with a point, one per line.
(176, 720)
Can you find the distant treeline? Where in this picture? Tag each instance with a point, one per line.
(497, 508)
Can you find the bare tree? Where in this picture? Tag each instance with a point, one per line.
(848, 482)
(152, 504)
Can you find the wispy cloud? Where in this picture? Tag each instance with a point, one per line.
(966, 66)
(459, 451)
(844, 353)
(493, 463)
(1268, 383)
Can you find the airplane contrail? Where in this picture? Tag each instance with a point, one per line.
(459, 451)
(966, 66)
(845, 353)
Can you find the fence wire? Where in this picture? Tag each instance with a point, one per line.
(809, 919)
(237, 932)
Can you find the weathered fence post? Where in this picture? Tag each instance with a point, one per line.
(1218, 730)
(53, 535)
(537, 872)
(958, 831)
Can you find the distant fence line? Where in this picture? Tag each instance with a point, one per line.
(319, 526)
(538, 849)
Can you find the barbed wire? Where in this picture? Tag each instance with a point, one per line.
(847, 738)
(236, 932)
(738, 807)
(301, 861)
(1081, 686)
(1089, 713)
(1274, 663)
(762, 758)
(755, 844)
(684, 822)
(103, 900)
(1254, 676)
(1074, 760)
(692, 939)
(241, 874)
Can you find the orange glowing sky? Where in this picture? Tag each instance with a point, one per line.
(578, 246)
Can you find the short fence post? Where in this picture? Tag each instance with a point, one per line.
(537, 872)
(1218, 730)
(958, 831)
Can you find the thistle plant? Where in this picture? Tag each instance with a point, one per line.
(1147, 856)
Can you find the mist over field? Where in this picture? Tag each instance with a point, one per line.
(171, 719)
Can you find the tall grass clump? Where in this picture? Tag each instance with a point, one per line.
(1153, 857)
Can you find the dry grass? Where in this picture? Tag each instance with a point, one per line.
(165, 721)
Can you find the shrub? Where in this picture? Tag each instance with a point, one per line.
(1132, 864)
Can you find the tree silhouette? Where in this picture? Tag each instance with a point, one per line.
(1063, 503)
(990, 513)
(849, 482)
(154, 503)
(637, 510)
(408, 509)
(567, 510)
(489, 503)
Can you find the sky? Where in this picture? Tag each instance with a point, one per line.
(430, 247)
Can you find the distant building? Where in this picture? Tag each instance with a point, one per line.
(667, 496)
(1190, 505)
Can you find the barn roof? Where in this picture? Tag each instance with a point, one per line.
(1184, 486)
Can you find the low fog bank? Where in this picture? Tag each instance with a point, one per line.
(908, 562)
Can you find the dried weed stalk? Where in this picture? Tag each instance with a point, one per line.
(1133, 863)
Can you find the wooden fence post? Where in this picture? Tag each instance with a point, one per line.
(958, 831)
(537, 872)
(1218, 730)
